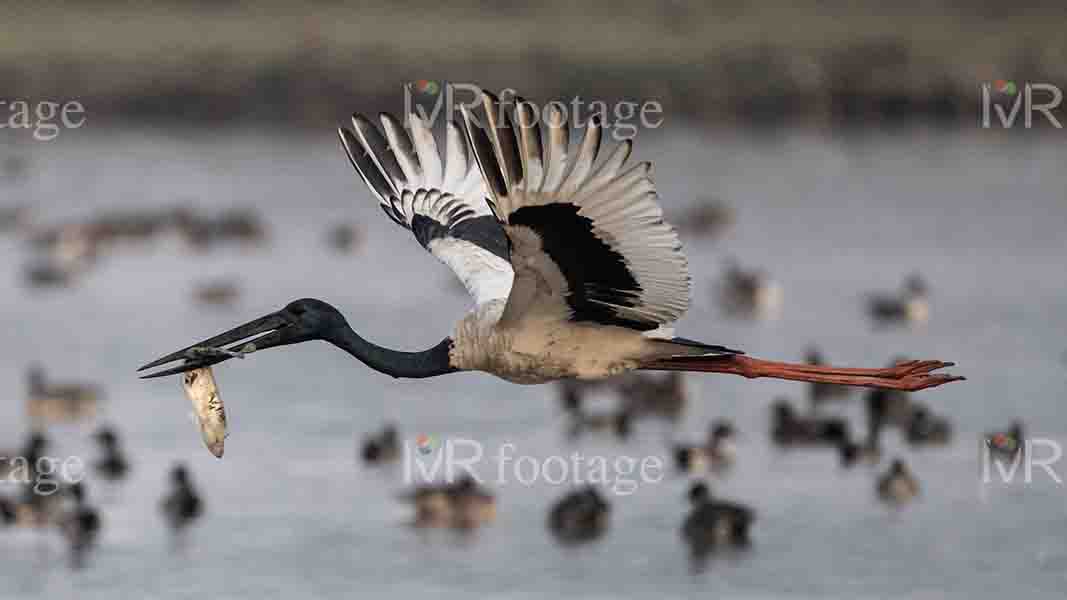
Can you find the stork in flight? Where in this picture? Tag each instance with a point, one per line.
(573, 271)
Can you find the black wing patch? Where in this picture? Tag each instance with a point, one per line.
(484, 231)
(597, 275)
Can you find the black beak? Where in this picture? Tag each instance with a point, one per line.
(269, 329)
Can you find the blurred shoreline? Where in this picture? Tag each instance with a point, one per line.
(755, 64)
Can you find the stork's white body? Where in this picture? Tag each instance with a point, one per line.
(537, 351)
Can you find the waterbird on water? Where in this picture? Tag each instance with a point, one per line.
(714, 524)
(381, 447)
(790, 429)
(927, 428)
(716, 454)
(80, 525)
(112, 465)
(618, 421)
(745, 293)
(462, 504)
(182, 505)
(652, 395)
(573, 271)
(217, 293)
(910, 305)
(898, 486)
(8, 511)
(21, 464)
(59, 402)
(580, 516)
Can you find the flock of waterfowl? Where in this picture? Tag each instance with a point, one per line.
(64, 253)
(36, 496)
(583, 514)
(67, 251)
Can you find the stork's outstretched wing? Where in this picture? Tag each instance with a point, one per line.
(442, 202)
(588, 242)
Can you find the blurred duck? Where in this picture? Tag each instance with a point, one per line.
(112, 464)
(344, 238)
(51, 402)
(819, 393)
(928, 429)
(717, 454)
(867, 453)
(201, 233)
(182, 505)
(460, 505)
(242, 226)
(898, 486)
(38, 507)
(20, 465)
(661, 396)
(788, 429)
(8, 512)
(47, 274)
(1006, 445)
(910, 305)
(382, 447)
(710, 217)
(13, 218)
(580, 516)
(887, 408)
(472, 505)
(617, 422)
(749, 293)
(714, 524)
(80, 525)
(218, 293)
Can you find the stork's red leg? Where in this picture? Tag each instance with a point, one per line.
(909, 376)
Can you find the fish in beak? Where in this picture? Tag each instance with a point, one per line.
(203, 392)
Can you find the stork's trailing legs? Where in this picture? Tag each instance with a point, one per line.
(907, 376)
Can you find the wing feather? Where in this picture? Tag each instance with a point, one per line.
(442, 202)
(588, 242)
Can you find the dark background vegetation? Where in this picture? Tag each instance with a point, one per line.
(762, 62)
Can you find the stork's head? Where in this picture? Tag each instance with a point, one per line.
(300, 321)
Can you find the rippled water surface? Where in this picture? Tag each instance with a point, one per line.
(292, 514)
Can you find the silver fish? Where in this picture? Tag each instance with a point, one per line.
(203, 392)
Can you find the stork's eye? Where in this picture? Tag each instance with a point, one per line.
(299, 310)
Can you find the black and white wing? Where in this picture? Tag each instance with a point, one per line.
(443, 203)
(588, 241)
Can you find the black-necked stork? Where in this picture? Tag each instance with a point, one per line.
(573, 270)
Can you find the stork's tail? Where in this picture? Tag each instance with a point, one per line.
(907, 376)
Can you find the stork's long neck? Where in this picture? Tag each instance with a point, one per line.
(415, 365)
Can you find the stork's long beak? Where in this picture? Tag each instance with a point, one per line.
(270, 330)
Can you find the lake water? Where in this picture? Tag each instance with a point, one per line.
(291, 513)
